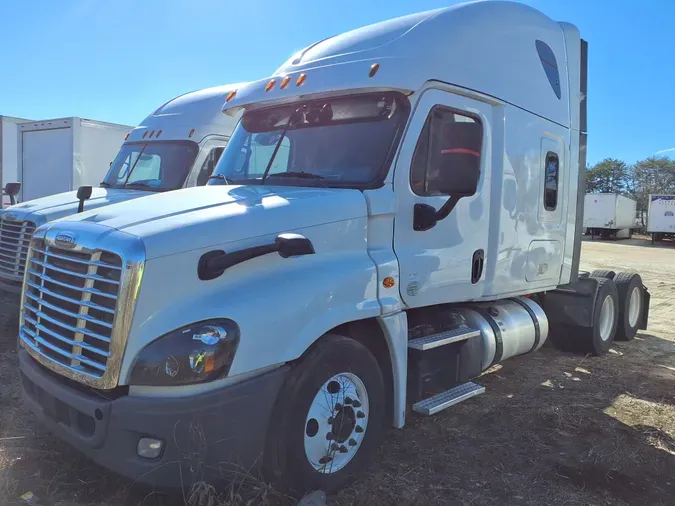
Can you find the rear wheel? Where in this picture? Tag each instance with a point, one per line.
(631, 304)
(330, 416)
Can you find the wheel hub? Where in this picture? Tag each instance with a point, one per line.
(336, 423)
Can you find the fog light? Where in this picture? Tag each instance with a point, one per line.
(149, 448)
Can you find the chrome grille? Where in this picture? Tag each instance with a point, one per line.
(69, 306)
(14, 241)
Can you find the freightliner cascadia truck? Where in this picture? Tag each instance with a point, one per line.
(176, 146)
(399, 209)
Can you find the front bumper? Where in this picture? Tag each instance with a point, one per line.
(206, 436)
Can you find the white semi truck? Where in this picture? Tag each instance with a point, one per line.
(399, 209)
(174, 147)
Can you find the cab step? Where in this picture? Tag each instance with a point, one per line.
(444, 400)
(443, 338)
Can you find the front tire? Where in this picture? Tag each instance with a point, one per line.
(330, 416)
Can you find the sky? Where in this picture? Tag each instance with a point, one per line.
(118, 60)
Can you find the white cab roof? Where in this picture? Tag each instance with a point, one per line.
(199, 110)
(488, 47)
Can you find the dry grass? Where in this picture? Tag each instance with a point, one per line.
(552, 428)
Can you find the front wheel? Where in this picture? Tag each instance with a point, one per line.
(329, 417)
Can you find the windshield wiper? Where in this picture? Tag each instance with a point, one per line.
(144, 186)
(221, 177)
(104, 184)
(299, 175)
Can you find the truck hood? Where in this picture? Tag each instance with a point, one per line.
(209, 216)
(58, 206)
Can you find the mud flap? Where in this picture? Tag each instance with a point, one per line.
(572, 304)
(645, 310)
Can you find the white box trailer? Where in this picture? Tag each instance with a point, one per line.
(609, 214)
(9, 152)
(661, 216)
(60, 155)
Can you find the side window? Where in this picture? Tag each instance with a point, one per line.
(450, 141)
(551, 181)
(209, 164)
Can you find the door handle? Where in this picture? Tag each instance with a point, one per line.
(477, 265)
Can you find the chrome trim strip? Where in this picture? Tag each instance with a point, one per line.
(77, 316)
(90, 305)
(48, 279)
(65, 325)
(93, 277)
(77, 260)
(58, 336)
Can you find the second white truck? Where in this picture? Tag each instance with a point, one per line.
(176, 146)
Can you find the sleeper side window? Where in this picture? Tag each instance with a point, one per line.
(552, 168)
(450, 141)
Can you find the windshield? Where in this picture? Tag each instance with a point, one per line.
(345, 141)
(153, 166)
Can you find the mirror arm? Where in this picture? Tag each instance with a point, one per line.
(425, 216)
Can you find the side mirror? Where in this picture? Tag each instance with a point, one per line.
(458, 173)
(12, 189)
(293, 245)
(83, 193)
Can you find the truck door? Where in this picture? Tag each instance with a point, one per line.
(444, 262)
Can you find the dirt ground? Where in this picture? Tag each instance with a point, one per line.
(552, 428)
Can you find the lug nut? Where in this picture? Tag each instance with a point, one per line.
(331, 420)
(356, 404)
(334, 446)
(348, 400)
(325, 460)
(330, 436)
(352, 442)
(343, 449)
(338, 406)
(360, 414)
(358, 429)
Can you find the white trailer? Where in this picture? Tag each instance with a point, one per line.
(609, 215)
(375, 236)
(9, 153)
(661, 217)
(60, 155)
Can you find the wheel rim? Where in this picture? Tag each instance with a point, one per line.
(336, 423)
(607, 317)
(634, 306)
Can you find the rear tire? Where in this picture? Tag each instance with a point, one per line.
(631, 304)
(338, 379)
(603, 273)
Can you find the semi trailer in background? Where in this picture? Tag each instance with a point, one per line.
(9, 154)
(661, 217)
(609, 215)
(175, 146)
(60, 155)
(393, 215)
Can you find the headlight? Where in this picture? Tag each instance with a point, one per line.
(201, 352)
